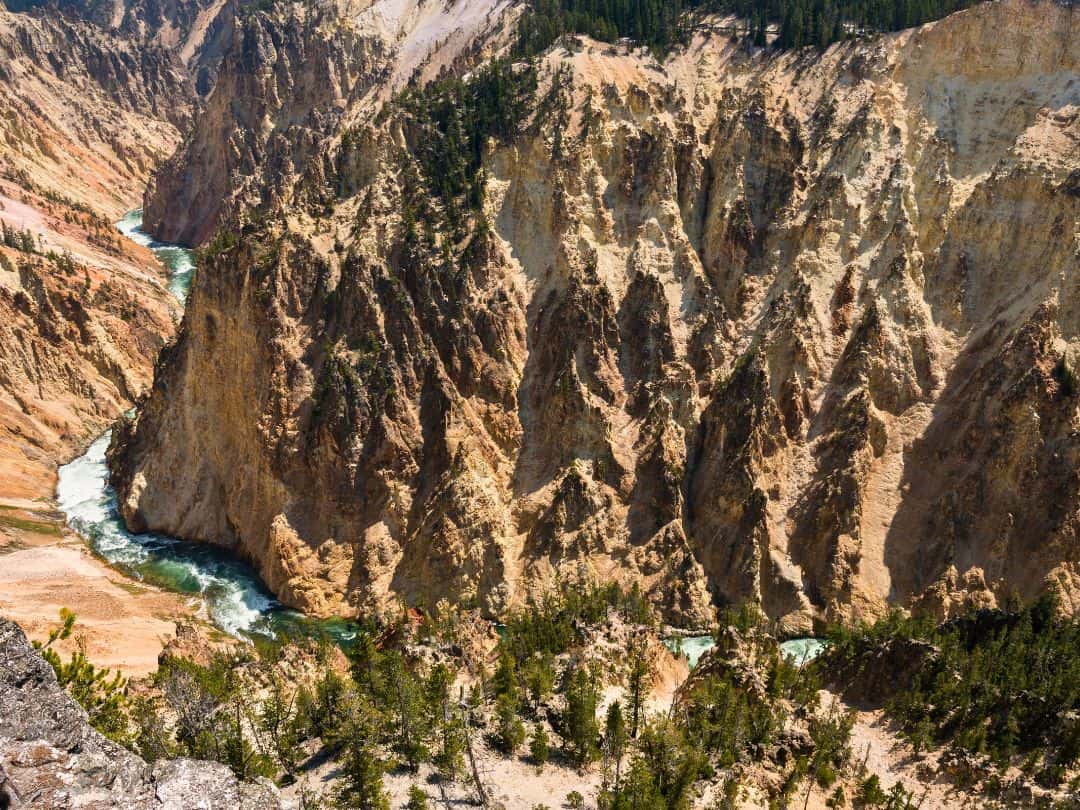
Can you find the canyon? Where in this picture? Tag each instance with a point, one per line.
(776, 340)
(85, 115)
(797, 329)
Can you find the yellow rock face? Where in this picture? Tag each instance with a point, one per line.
(798, 329)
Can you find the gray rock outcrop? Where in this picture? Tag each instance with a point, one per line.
(50, 757)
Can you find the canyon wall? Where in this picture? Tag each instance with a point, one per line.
(794, 328)
(194, 31)
(85, 114)
(84, 117)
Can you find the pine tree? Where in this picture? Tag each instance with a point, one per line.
(580, 727)
(511, 731)
(615, 739)
(401, 693)
(418, 799)
(539, 746)
(637, 683)
(361, 776)
(539, 678)
(102, 695)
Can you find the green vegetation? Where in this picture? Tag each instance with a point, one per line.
(222, 242)
(418, 799)
(353, 386)
(23, 240)
(450, 122)
(555, 623)
(1000, 683)
(578, 723)
(658, 24)
(409, 694)
(540, 747)
(722, 716)
(31, 526)
(662, 24)
(215, 716)
(871, 794)
(823, 22)
(101, 693)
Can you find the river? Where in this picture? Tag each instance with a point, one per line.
(179, 260)
(232, 595)
(799, 650)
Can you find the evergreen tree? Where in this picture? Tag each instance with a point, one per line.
(504, 681)
(539, 746)
(637, 682)
(403, 695)
(280, 722)
(511, 731)
(579, 725)
(615, 739)
(664, 24)
(539, 677)
(418, 799)
(101, 694)
(362, 772)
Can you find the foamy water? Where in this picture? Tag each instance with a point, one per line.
(180, 261)
(235, 599)
(800, 650)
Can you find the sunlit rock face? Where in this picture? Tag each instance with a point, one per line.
(796, 329)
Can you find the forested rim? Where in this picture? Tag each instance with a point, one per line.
(419, 693)
(999, 686)
(663, 24)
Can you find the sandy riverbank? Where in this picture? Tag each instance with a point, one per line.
(121, 624)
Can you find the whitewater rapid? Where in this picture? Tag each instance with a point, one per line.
(179, 260)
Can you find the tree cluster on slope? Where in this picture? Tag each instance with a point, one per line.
(406, 696)
(663, 24)
(451, 121)
(1000, 684)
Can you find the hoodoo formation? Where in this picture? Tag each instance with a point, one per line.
(790, 328)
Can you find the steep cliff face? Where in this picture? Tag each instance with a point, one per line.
(196, 31)
(797, 329)
(86, 114)
(51, 758)
(290, 82)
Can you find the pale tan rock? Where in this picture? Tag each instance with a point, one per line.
(791, 329)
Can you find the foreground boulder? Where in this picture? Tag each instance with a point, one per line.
(50, 757)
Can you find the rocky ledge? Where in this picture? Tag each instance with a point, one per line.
(50, 757)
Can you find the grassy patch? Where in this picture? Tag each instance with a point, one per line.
(132, 588)
(31, 526)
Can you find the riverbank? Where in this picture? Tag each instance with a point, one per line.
(121, 624)
(80, 329)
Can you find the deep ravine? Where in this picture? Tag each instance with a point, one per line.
(234, 598)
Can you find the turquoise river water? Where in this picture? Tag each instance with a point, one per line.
(800, 650)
